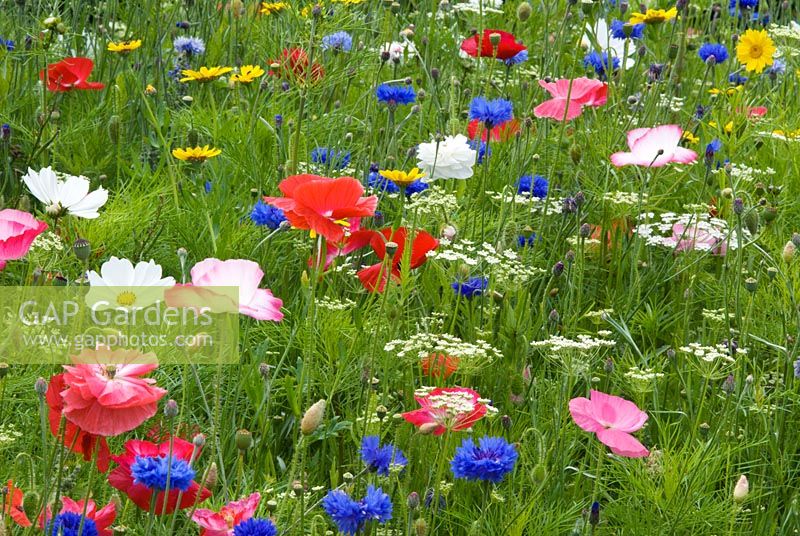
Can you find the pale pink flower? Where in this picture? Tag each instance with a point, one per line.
(222, 523)
(110, 399)
(258, 303)
(612, 419)
(654, 147)
(569, 98)
(17, 231)
(691, 237)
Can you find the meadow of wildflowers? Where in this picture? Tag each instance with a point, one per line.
(505, 268)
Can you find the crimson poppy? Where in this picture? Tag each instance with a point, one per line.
(13, 506)
(501, 132)
(72, 436)
(323, 205)
(294, 65)
(375, 277)
(69, 74)
(507, 48)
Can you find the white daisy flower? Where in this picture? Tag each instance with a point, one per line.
(65, 195)
(121, 285)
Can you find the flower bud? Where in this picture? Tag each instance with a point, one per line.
(413, 500)
(741, 490)
(428, 428)
(788, 251)
(199, 440)
(30, 504)
(244, 440)
(558, 268)
(211, 475)
(751, 284)
(40, 386)
(421, 527)
(585, 230)
(524, 11)
(738, 206)
(313, 417)
(554, 316)
(171, 409)
(82, 249)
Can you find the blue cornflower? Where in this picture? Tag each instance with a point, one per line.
(712, 149)
(778, 67)
(737, 79)
(700, 112)
(519, 57)
(601, 63)
(474, 286)
(264, 214)
(491, 112)
(330, 157)
(378, 182)
(338, 41)
(5, 131)
(491, 460)
(618, 30)
(743, 4)
(191, 46)
(7, 43)
(707, 50)
(394, 95)
(207, 186)
(535, 186)
(68, 524)
(350, 516)
(523, 241)
(255, 527)
(416, 187)
(481, 148)
(381, 459)
(151, 471)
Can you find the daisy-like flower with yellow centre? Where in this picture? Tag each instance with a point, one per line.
(123, 47)
(755, 50)
(728, 128)
(690, 138)
(205, 74)
(789, 135)
(268, 8)
(401, 178)
(728, 91)
(247, 74)
(654, 16)
(150, 90)
(196, 154)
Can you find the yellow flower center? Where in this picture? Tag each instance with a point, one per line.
(126, 298)
(756, 51)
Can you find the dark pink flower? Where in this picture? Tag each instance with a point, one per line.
(612, 419)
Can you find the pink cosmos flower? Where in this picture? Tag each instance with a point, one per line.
(222, 523)
(569, 98)
(18, 229)
(447, 408)
(654, 147)
(690, 237)
(258, 303)
(612, 419)
(108, 400)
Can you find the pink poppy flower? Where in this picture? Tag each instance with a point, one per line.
(612, 419)
(654, 147)
(102, 518)
(688, 238)
(108, 400)
(18, 229)
(447, 408)
(258, 303)
(223, 522)
(569, 98)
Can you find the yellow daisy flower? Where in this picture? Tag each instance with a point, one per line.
(150, 90)
(727, 91)
(196, 154)
(268, 8)
(755, 50)
(205, 74)
(654, 16)
(728, 128)
(247, 74)
(401, 178)
(123, 47)
(690, 138)
(786, 135)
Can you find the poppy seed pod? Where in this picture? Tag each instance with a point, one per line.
(82, 249)
(524, 11)
(244, 440)
(312, 418)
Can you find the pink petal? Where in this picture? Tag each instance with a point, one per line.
(622, 443)
(581, 411)
(617, 412)
(556, 109)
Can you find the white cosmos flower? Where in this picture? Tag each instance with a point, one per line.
(120, 284)
(65, 195)
(397, 49)
(451, 158)
(600, 37)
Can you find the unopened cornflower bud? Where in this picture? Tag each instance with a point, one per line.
(171, 409)
(741, 490)
(413, 500)
(553, 316)
(738, 206)
(199, 441)
(585, 230)
(569, 256)
(623, 7)
(505, 421)
(580, 198)
(594, 514)
(40, 386)
(313, 416)
(558, 268)
(796, 239)
(609, 366)
(5, 132)
(729, 385)
(569, 206)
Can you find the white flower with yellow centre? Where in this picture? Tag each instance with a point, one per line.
(121, 285)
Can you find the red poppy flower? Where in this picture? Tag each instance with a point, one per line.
(102, 518)
(69, 74)
(439, 365)
(294, 65)
(502, 132)
(13, 506)
(323, 205)
(141, 495)
(375, 277)
(72, 436)
(354, 240)
(506, 49)
(447, 408)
